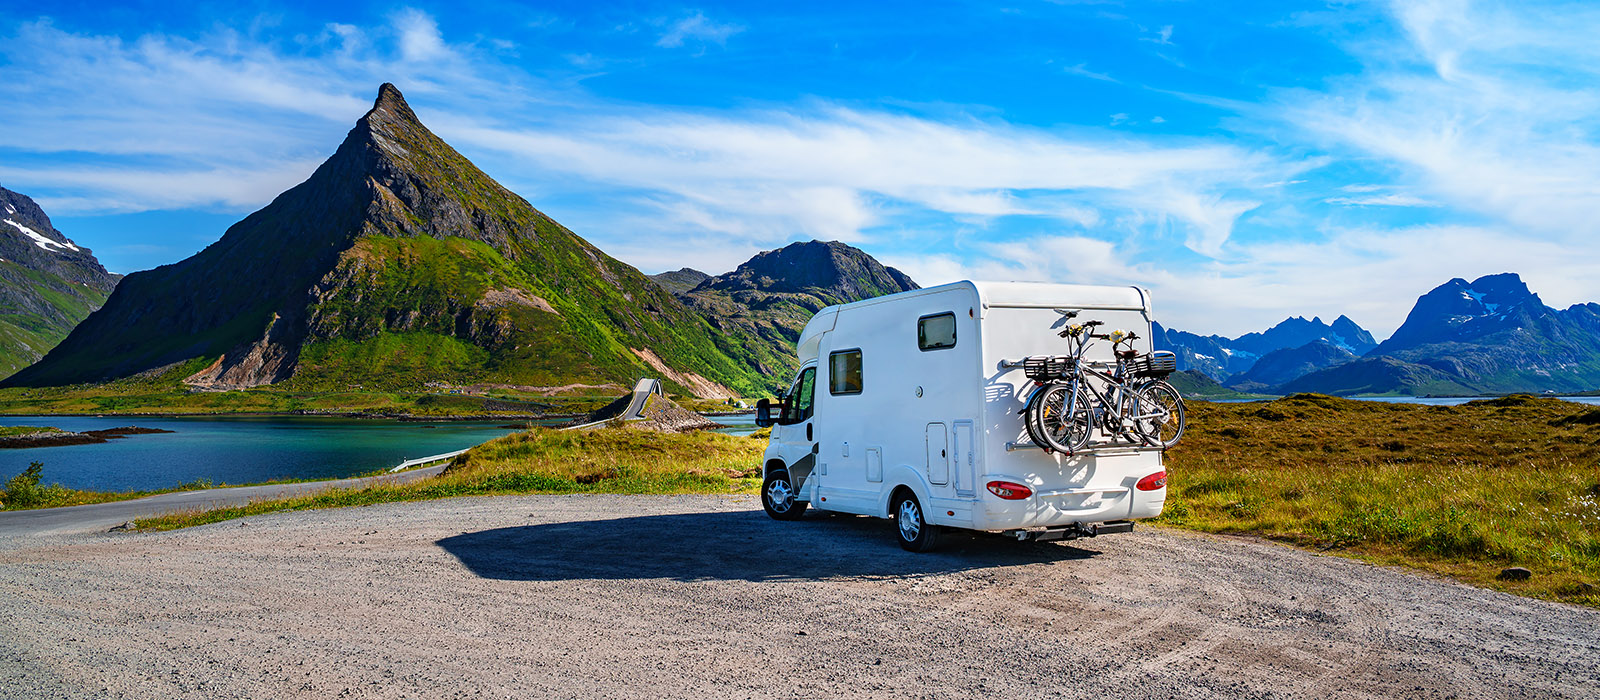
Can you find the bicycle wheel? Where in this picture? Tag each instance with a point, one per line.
(1061, 432)
(1158, 414)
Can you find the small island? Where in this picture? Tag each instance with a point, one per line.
(24, 436)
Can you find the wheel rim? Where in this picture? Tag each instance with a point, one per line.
(1065, 434)
(910, 520)
(1162, 409)
(780, 496)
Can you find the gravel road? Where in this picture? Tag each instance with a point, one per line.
(705, 597)
(100, 516)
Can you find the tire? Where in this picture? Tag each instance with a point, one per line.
(1165, 422)
(913, 531)
(1066, 436)
(778, 497)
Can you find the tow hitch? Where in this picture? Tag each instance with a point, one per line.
(1070, 532)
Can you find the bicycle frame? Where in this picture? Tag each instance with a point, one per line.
(1115, 418)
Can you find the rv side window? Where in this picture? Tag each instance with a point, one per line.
(937, 331)
(801, 401)
(844, 372)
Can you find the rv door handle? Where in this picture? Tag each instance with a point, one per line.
(808, 431)
(941, 453)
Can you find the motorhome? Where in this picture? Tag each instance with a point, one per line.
(908, 407)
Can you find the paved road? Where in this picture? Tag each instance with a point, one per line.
(706, 597)
(100, 516)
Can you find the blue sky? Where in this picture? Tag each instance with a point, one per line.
(1246, 162)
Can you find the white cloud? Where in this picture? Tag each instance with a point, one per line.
(697, 27)
(419, 36)
(1487, 108)
(1082, 70)
(1383, 200)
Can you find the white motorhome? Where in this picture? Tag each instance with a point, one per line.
(908, 407)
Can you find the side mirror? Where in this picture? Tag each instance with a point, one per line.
(763, 413)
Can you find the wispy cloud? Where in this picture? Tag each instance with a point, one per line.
(697, 27)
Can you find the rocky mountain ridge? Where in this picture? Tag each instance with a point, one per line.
(48, 283)
(769, 298)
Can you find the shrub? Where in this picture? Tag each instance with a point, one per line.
(23, 490)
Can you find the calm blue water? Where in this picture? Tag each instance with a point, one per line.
(242, 450)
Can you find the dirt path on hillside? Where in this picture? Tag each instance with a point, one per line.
(705, 597)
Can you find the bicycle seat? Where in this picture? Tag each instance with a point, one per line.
(1127, 354)
(1066, 313)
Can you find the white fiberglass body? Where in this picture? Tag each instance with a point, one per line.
(916, 391)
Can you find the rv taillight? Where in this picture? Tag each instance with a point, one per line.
(1009, 491)
(1154, 482)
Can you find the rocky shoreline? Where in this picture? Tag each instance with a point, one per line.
(59, 438)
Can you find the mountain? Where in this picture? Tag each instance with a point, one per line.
(680, 280)
(1287, 364)
(396, 263)
(47, 283)
(1222, 359)
(769, 298)
(1495, 335)
(1378, 375)
(1297, 331)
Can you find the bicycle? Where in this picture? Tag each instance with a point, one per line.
(1064, 411)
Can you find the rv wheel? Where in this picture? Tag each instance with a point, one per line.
(777, 496)
(915, 534)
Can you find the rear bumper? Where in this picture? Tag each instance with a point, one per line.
(1065, 508)
(1070, 532)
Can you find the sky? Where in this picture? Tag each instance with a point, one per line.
(1245, 162)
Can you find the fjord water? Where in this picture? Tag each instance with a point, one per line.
(236, 450)
(249, 449)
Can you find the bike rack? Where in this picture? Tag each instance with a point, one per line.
(1096, 451)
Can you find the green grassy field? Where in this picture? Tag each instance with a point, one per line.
(1459, 491)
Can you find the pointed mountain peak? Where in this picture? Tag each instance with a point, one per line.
(391, 106)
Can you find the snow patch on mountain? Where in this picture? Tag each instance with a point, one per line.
(40, 240)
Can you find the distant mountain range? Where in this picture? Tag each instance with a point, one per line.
(399, 262)
(48, 284)
(1221, 358)
(1488, 336)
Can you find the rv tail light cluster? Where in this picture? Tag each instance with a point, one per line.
(1154, 482)
(1009, 491)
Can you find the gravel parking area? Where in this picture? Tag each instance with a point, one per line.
(705, 597)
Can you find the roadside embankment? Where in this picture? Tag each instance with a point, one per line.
(544, 460)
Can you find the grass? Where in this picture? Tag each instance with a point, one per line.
(1462, 491)
(15, 430)
(545, 461)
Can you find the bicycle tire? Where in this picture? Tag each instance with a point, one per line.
(1065, 436)
(1165, 425)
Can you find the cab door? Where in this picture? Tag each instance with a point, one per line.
(796, 436)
